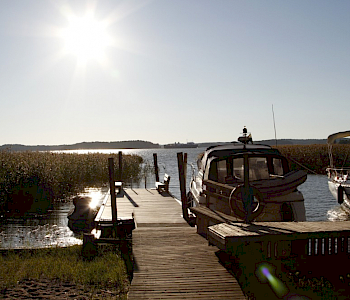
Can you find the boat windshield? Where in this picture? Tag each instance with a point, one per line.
(231, 169)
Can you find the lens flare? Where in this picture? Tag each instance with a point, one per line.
(265, 274)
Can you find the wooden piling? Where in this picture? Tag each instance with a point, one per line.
(89, 250)
(185, 167)
(112, 190)
(156, 170)
(181, 168)
(247, 201)
(120, 173)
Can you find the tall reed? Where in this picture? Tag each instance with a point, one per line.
(315, 157)
(36, 179)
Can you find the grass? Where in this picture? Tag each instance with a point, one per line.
(106, 271)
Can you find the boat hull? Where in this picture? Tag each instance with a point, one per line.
(345, 201)
(248, 181)
(282, 200)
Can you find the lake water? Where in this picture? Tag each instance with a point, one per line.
(53, 230)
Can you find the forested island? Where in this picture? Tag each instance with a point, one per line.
(84, 145)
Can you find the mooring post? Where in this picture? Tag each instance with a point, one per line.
(247, 196)
(112, 190)
(89, 249)
(185, 167)
(181, 168)
(120, 161)
(156, 170)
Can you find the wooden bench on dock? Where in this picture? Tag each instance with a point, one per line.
(163, 186)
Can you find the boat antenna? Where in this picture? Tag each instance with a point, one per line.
(274, 124)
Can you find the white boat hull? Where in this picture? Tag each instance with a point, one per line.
(333, 188)
(248, 182)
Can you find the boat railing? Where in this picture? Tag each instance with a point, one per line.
(338, 173)
(193, 171)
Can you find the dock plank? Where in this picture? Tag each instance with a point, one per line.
(147, 206)
(177, 263)
(171, 261)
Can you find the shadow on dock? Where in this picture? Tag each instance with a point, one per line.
(130, 199)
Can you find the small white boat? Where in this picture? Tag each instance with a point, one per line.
(338, 176)
(181, 145)
(249, 182)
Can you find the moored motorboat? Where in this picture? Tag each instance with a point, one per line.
(338, 176)
(248, 181)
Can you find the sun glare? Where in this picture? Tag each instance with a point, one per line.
(86, 38)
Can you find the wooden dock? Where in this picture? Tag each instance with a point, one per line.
(171, 261)
(308, 241)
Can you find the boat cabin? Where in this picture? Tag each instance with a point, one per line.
(225, 164)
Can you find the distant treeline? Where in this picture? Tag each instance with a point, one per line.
(149, 145)
(315, 158)
(31, 181)
(83, 145)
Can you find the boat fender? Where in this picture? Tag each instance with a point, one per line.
(340, 194)
(236, 197)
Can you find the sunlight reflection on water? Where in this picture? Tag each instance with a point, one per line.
(50, 231)
(20, 236)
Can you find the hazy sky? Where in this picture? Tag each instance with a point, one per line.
(166, 71)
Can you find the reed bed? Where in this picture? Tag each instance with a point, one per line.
(315, 158)
(37, 179)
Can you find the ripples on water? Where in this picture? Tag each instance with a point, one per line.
(50, 231)
(319, 203)
(22, 236)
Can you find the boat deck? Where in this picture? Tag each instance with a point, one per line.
(171, 261)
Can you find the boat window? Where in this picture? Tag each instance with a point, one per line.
(238, 168)
(277, 166)
(213, 171)
(222, 171)
(258, 168)
(231, 170)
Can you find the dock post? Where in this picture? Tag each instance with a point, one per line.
(156, 170)
(247, 195)
(185, 167)
(181, 168)
(112, 190)
(120, 157)
(89, 250)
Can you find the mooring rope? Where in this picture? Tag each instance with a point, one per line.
(346, 158)
(300, 164)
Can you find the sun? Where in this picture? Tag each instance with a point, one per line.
(86, 37)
